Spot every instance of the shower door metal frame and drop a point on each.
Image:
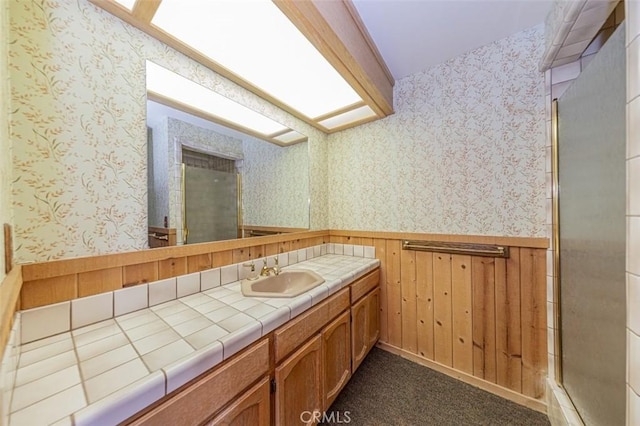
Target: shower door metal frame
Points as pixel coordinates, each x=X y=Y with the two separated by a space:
x=555 y=244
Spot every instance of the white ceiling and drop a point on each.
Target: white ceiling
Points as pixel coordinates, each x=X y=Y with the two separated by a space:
x=413 y=35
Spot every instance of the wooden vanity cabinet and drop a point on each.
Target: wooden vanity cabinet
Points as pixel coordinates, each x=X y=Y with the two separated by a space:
x=365 y=326
x=206 y=396
x=336 y=357
x=299 y=385
x=253 y=408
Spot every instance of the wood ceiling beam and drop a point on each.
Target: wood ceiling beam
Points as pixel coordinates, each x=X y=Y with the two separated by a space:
x=336 y=30
x=145 y=9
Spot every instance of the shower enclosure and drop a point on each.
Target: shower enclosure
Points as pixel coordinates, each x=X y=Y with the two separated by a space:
x=210 y=198
x=591 y=236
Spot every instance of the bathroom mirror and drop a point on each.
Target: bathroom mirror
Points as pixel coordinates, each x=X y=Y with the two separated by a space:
x=227 y=183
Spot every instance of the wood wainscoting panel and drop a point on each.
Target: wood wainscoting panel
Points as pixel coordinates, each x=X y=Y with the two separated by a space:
x=484 y=318
x=48 y=291
x=381 y=253
x=408 y=294
x=534 y=321
x=200 y=262
x=424 y=308
x=443 y=330
x=508 y=343
x=394 y=292
x=139 y=274
x=95 y=282
x=481 y=317
x=462 y=302
x=172 y=267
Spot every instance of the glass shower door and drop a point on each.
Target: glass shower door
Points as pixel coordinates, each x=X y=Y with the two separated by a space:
x=591 y=160
x=211 y=205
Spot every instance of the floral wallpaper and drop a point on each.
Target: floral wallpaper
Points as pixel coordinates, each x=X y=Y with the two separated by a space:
x=5 y=144
x=463 y=154
x=78 y=102
x=275 y=184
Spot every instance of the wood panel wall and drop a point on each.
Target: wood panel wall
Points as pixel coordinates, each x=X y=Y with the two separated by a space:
x=477 y=317
x=62 y=280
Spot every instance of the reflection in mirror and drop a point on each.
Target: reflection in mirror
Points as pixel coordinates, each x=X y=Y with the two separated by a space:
x=211 y=182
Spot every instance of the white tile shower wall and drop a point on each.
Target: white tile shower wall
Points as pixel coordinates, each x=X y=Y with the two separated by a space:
x=76 y=313
x=632 y=13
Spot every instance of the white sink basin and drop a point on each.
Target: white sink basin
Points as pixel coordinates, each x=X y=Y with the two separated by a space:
x=289 y=283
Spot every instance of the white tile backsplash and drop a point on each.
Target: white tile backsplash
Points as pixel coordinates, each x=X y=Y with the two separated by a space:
x=370 y=252
x=188 y=284
x=130 y=299
x=302 y=255
x=347 y=249
x=162 y=291
x=228 y=274
x=45 y=321
x=209 y=279
x=92 y=309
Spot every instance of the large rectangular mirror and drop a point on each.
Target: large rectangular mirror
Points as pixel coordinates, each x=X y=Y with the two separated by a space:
x=210 y=180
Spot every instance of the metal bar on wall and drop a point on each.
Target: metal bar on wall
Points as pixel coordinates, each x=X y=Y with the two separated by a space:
x=487 y=250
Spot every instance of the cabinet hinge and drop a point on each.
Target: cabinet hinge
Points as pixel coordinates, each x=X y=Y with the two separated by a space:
x=273 y=385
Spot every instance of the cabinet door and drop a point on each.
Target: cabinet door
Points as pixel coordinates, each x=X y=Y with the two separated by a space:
x=336 y=354
x=359 y=332
x=299 y=385
x=250 y=409
x=373 y=318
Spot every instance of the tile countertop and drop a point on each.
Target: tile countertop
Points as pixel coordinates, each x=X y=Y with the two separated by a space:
x=107 y=371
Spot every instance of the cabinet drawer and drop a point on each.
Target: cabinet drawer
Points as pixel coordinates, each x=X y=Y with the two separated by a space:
x=200 y=400
x=298 y=330
x=364 y=285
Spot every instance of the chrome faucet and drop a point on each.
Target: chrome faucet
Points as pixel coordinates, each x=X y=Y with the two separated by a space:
x=266 y=271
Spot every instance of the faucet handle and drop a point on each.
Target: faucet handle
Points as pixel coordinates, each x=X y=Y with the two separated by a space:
x=276 y=259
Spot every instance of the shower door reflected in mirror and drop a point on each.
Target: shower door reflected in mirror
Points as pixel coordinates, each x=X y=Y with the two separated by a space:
x=210 y=209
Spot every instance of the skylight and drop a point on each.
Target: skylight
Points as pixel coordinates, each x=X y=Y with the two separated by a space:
x=282 y=51
x=255 y=40
x=167 y=84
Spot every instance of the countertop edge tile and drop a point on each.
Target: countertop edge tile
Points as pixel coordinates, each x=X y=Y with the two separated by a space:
x=241 y=338
x=188 y=368
x=123 y=403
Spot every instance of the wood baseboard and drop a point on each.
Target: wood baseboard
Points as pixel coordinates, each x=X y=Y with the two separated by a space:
x=526 y=401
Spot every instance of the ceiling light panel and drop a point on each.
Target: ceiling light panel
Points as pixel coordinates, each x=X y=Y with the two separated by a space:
x=256 y=41
x=290 y=137
x=352 y=116
x=126 y=3
x=178 y=88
